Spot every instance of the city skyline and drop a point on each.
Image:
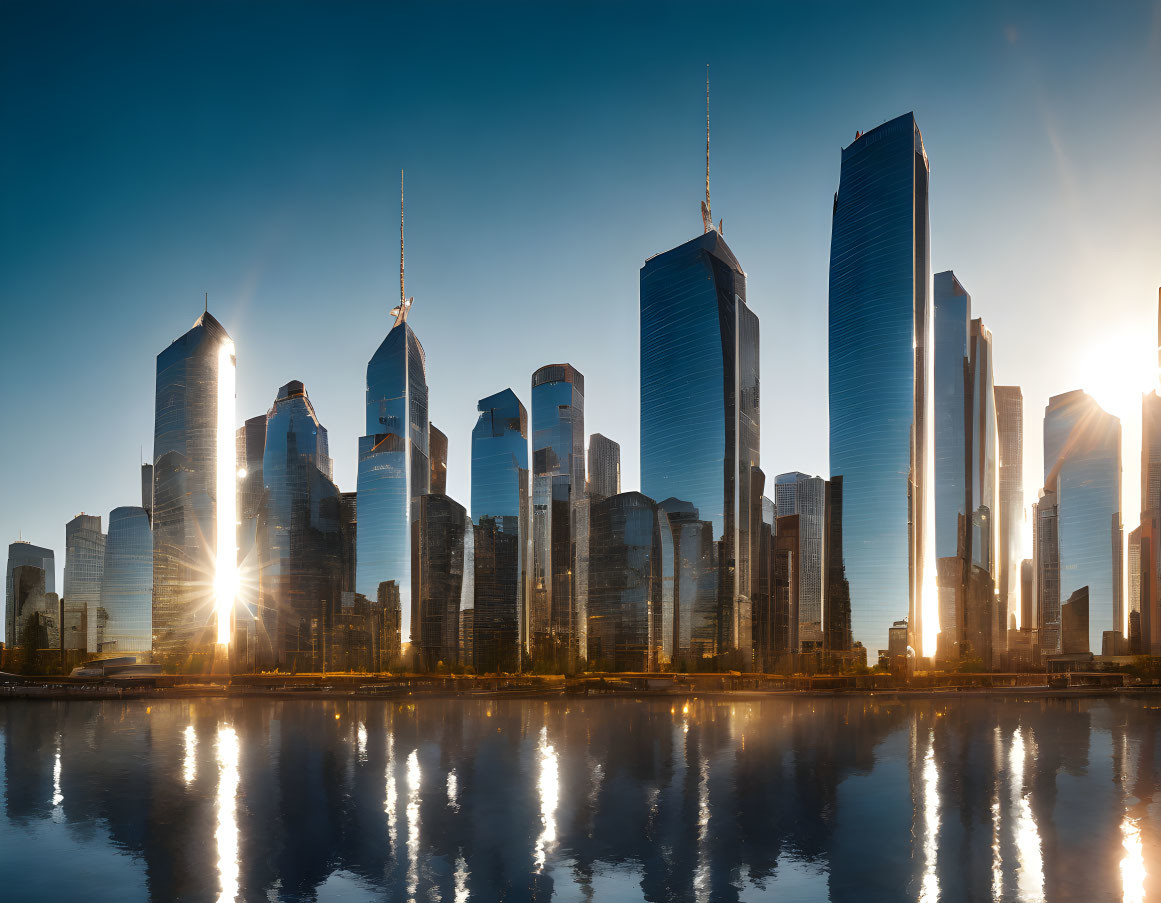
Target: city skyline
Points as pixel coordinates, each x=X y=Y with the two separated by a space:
x=788 y=294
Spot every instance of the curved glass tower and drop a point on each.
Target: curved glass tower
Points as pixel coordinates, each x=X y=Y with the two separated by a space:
x=558 y=489
x=299 y=537
x=700 y=406
x=127 y=582
x=1082 y=467
x=880 y=316
x=393 y=466
x=185 y=460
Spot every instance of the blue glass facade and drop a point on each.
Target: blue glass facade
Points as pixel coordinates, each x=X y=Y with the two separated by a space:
x=558 y=488
x=700 y=407
x=500 y=494
x=84 y=563
x=185 y=448
x=879 y=319
x=394 y=467
x=1082 y=467
x=127 y=583
x=299 y=534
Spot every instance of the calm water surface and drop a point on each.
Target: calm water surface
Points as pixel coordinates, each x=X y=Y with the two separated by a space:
x=606 y=800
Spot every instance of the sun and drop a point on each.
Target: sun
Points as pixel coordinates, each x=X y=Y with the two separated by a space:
x=1117 y=369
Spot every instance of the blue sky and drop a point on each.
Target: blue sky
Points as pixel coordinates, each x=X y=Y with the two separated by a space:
x=155 y=151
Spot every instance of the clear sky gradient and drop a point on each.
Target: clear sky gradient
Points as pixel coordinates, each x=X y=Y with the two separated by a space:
x=154 y=151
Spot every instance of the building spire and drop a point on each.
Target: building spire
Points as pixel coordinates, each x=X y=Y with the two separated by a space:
x=207 y=308
x=707 y=219
x=400 y=312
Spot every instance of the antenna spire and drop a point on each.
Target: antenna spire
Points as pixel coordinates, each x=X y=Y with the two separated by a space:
x=400 y=312
x=207 y=309
x=707 y=219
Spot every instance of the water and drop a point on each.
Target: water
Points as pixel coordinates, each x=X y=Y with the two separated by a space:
x=602 y=800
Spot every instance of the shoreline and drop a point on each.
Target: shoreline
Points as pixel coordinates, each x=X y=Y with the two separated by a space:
x=413 y=689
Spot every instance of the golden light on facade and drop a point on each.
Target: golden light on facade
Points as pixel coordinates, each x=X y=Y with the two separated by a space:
x=226 y=576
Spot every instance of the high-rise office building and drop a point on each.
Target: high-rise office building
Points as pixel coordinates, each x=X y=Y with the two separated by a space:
x=982 y=603
x=394 y=461
x=604 y=467
x=437 y=574
x=1082 y=465
x=299 y=534
x=558 y=484
x=879 y=363
x=625 y=578
x=836 y=618
x=147 y=488
x=502 y=538
x=1010 y=541
x=700 y=408
x=191 y=374
x=24 y=554
x=804 y=495
x=1046 y=571
x=437 y=448
x=35 y=611
x=690 y=631
x=250 y=447
x=127 y=583
x=84 y=564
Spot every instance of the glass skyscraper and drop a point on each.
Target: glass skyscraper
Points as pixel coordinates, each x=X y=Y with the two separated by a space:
x=1082 y=465
x=437 y=448
x=804 y=495
x=24 y=554
x=502 y=538
x=880 y=318
x=558 y=487
x=1010 y=551
x=299 y=535
x=604 y=467
x=394 y=468
x=437 y=574
x=625 y=579
x=127 y=583
x=700 y=408
x=84 y=564
x=185 y=446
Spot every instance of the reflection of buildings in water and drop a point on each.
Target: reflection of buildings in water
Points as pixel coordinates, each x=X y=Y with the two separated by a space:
x=681 y=804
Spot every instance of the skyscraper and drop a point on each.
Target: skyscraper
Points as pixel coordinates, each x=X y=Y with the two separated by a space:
x=880 y=317
x=127 y=583
x=147 y=488
x=992 y=633
x=190 y=376
x=836 y=618
x=394 y=468
x=804 y=495
x=501 y=538
x=700 y=406
x=558 y=484
x=1046 y=570
x=251 y=446
x=1010 y=551
x=299 y=534
x=437 y=574
x=691 y=630
x=625 y=583
x=1082 y=465
x=24 y=554
x=84 y=564
x=604 y=467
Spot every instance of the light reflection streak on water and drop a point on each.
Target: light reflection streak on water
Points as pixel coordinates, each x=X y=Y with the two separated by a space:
x=1133 y=864
x=189 y=765
x=57 y=795
x=413 y=778
x=461 y=879
x=549 y=786
x=701 y=874
x=226 y=834
x=361 y=741
x=997 y=854
x=389 y=799
x=452 y=790
x=929 y=889
x=1030 y=863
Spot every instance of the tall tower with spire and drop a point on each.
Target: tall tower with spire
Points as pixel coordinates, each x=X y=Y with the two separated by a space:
x=700 y=412
x=393 y=458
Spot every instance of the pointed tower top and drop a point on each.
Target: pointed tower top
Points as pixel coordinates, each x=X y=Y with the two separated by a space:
x=207 y=307
x=707 y=219
x=400 y=312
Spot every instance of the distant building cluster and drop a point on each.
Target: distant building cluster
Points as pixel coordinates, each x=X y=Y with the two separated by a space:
x=911 y=552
